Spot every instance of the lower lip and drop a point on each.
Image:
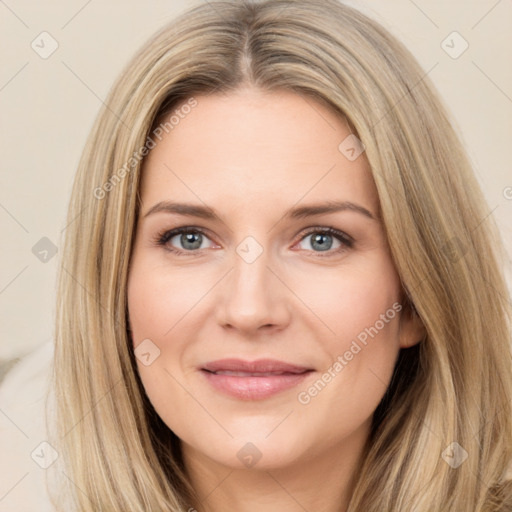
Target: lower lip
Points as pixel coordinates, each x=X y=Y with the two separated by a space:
x=254 y=388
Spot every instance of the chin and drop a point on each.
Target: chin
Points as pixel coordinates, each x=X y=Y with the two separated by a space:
x=253 y=451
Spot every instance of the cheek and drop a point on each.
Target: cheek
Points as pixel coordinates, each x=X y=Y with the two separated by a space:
x=159 y=299
x=165 y=301
x=362 y=311
x=365 y=311
x=349 y=302
x=156 y=307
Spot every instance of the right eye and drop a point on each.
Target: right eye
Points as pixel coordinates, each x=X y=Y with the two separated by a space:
x=185 y=240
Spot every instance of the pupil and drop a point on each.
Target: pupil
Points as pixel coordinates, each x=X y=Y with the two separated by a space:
x=193 y=239
x=319 y=239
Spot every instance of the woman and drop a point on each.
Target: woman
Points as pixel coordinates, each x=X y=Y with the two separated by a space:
x=278 y=291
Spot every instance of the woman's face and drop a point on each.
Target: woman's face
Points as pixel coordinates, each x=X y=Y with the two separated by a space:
x=256 y=179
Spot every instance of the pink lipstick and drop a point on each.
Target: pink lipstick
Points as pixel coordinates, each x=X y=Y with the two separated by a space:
x=253 y=380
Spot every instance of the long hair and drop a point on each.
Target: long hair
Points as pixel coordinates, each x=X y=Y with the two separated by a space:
x=454 y=387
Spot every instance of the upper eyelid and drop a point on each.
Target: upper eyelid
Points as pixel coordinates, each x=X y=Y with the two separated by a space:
x=327 y=229
x=171 y=233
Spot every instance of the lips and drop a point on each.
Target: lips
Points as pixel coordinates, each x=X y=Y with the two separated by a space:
x=254 y=368
x=253 y=380
x=249 y=374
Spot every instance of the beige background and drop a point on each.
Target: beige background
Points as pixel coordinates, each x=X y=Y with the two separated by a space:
x=48 y=107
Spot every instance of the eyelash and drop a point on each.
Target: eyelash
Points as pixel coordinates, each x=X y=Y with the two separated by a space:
x=163 y=238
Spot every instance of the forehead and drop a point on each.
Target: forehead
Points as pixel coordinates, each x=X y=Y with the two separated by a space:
x=252 y=149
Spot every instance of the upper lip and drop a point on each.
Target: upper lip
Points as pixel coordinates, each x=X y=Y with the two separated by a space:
x=259 y=366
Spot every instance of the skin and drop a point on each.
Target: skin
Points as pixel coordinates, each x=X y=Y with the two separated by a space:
x=251 y=156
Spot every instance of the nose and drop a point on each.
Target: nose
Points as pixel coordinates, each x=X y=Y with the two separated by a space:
x=252 y=298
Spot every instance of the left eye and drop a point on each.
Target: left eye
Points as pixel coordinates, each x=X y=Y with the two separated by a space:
x=322 y=241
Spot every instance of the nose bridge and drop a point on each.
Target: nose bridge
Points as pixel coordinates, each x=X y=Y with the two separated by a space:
x=253 y=297
x=251 y=276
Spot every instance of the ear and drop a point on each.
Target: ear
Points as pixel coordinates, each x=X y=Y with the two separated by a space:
x=411 y=328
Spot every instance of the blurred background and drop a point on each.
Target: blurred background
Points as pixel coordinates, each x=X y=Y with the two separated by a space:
x=59 y=60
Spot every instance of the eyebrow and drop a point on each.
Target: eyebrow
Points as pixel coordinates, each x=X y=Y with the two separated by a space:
x=300 y=212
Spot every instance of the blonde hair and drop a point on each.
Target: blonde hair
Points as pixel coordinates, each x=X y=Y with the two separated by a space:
x=455 y=386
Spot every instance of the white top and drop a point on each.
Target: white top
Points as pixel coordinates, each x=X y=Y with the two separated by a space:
x=22 y=430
